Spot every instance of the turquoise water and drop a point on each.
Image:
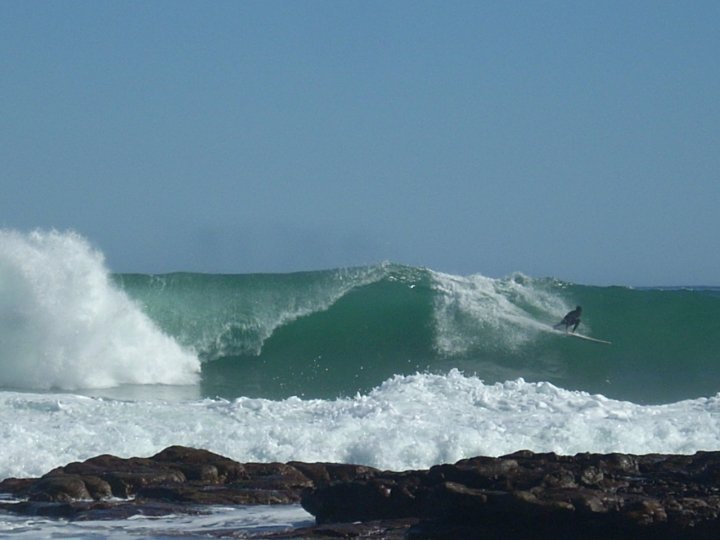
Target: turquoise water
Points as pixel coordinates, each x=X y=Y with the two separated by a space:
x=389 y=366
x=338 y=332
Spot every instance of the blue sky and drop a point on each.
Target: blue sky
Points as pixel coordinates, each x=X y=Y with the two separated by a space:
x=579 y=139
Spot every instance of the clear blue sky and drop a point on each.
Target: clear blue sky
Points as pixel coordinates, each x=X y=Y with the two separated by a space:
x=576 y=139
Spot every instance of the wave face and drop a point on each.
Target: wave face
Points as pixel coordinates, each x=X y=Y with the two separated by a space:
x=65 y=325
x=390 y=366
x=339 y=332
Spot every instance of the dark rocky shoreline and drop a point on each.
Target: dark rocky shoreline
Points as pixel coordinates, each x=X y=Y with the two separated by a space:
x=519 y=496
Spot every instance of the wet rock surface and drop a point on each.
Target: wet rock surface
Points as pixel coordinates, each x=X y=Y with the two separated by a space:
x=521 y=495
x=527 y=495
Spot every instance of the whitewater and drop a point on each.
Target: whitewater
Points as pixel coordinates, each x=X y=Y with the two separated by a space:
x=389 y=366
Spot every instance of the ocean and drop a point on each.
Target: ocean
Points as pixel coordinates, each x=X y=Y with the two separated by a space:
x=391 y=366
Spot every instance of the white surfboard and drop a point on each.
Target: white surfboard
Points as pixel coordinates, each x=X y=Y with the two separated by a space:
x=587 y=338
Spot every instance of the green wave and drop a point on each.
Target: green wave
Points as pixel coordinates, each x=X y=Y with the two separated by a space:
x=338 y=332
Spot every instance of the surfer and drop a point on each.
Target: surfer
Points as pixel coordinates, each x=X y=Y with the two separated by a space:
x=571 y=319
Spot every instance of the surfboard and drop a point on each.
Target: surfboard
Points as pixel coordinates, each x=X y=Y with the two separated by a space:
x=588 y=338
x=580 y=336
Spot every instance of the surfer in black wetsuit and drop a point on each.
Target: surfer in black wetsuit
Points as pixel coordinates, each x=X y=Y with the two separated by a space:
x=571 y=319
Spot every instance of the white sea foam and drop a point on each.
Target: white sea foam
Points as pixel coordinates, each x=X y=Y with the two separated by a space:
x=249 y=519
x=469 y=309
x=64 y=325
x=408 y=422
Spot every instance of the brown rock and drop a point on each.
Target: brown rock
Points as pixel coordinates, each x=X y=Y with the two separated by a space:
x=519 y=496
x=59 y=488
x=201 y=465
x=18 y=487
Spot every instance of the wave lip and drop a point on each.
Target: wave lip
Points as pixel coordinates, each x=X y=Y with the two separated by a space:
x=64 y=325
x=227 y=315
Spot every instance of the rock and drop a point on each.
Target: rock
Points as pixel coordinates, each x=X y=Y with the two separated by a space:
x=519 y=496
x=527 y=495
x=325 y=473
x=18 y=487
x=390 y=529
x=273 y=476
x=216 y=495
x=201 y=465
x=362 y=500
x=124 y=476
x=173 y=478
x=59 y=488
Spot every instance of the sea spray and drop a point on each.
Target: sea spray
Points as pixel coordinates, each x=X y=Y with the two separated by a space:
x=65 y=325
